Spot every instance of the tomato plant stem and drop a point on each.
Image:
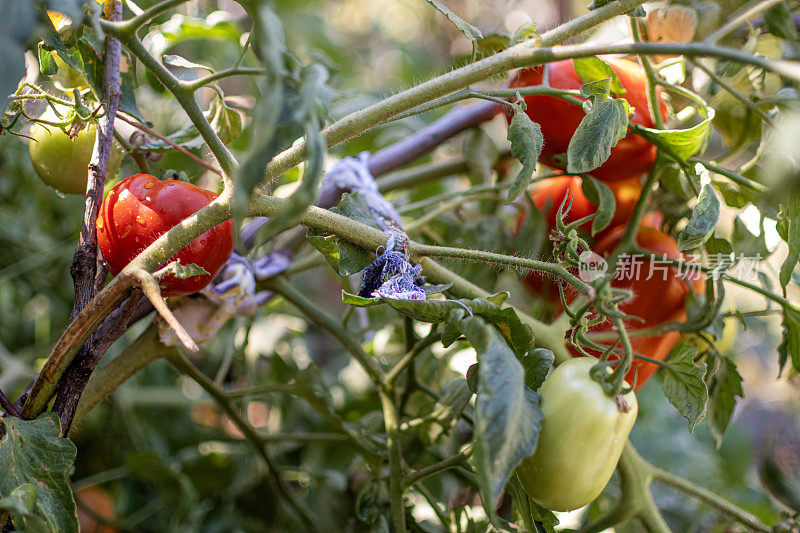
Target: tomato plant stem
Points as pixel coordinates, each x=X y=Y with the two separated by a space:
x=651 y=86
x=392 y=422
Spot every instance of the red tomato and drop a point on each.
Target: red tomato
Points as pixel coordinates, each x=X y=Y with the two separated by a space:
x=656 y=300
x=551 y=192
x=631 y=157
x=141 y=208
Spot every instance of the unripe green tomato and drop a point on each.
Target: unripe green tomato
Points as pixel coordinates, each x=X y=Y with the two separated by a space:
x=62 y=162
x=67 y=78
x=582 y=436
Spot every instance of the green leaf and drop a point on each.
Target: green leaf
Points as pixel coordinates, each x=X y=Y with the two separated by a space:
x=600 y=195
x=684 y=386
x=597 y=91
x=537 y=364
x=591 y=69
x=526 y=32
x=470 y=32
x=47 y=64
x=346 y=258
x=682 y=143
x=225 y=120
x=789 y=348
x=32 y=451
x=21 y=504
x=178 y=61
x=176 y=269
x=724 y=386
x=480 y=153
x=780 y=23
x=596 y=135
x=747 y=244
x=703 y=221
x=517 y=334
x=91 y=66
x=526 y=144
x=507 y=414
x=789 y=229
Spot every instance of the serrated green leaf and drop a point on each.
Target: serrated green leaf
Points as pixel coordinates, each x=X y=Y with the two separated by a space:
x=596 y=91
x=526 y=145
x=684 y=386
x=703 y=221
x=596 y=135
x=682 y=143
x=226 y=121
x=517 y=334
x=507 y=414
x=789 y=349
x=747 y=244
x=724 y=386
x=32 y=451
x=593 y=68
x=470 y=32
x=600 y=195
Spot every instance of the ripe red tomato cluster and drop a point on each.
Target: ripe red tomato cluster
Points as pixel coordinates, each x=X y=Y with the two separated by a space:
x=660 y=292
x=141 y=208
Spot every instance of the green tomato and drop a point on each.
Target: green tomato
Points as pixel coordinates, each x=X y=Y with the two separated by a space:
x=582 y=436
x=62 y=162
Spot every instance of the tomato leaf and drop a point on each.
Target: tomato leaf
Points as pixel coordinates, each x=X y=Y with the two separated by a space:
x=470 y=32
x=593 y=68
x=780 y=23
x=789 y=229
x=600 y=195
x=225 y=120
x=455 y=397
x=345 y=257
x=790 y=344
x=176 y=269
x=526 y=145
x=517 y=334
x=526 y=32
x=47 y=64
x=507 y=414
x=537 y=364
x=532 y=233
x=174 y=60
x=747 y=244
x=684 y=386
x=596 y=135
x=704 y=218
x=681 y=143
x=724 y=386
x=21 y=504
x=33 y=452
x=479 y=154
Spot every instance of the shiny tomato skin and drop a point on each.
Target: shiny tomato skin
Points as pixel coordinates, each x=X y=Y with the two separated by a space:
x=141 y=208
x=631 y=157
x=582 y=435
x=656 y=300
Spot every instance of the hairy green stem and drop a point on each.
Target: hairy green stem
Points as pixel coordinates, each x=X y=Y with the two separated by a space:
x=651 y=87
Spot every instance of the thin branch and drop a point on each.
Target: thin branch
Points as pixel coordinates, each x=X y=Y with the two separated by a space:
x=737 y=20
x=439 y=467
x=194 y=85
x=151 y=289
x=185 y=366
x=150 y=131
x=7 y=406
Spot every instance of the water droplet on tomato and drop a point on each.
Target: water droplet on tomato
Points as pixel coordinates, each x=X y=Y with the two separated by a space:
x=149 y=185
x=140 y=198
x=99 y=223
x=170 y=183
x=147 y=198
x=140 y=220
